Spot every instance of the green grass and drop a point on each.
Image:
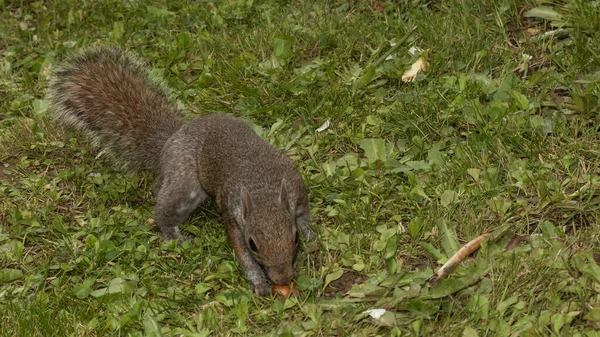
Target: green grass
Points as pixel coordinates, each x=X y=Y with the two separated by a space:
x=499 y=135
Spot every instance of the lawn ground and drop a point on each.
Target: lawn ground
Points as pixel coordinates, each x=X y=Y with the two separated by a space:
x=497 y=134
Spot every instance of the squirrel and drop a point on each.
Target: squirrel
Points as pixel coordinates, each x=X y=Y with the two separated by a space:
x=109 y=94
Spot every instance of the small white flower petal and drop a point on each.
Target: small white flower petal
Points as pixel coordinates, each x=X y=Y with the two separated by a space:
x=324 y=126
x=375 y=313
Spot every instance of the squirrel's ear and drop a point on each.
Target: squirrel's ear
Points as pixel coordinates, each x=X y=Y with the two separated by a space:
x=247 y=205
x=284 y=196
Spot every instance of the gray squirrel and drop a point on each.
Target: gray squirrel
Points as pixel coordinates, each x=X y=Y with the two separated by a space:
x=108 y=94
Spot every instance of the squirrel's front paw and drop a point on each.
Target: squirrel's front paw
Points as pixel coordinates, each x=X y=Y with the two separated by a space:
x=173 y=233
x=261 y=288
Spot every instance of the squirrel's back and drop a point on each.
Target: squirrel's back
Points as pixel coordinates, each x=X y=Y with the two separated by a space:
x=110 y=95
x=229 y=150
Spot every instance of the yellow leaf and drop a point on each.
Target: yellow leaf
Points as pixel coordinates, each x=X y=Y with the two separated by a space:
x=411 y=73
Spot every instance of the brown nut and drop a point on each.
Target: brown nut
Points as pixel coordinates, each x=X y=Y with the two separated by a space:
x=284 y=290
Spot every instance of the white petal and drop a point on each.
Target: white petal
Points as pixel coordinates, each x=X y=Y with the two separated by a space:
x=324 y=126
x=375 y=313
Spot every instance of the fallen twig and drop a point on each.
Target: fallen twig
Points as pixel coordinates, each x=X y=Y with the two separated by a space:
x=458 y=257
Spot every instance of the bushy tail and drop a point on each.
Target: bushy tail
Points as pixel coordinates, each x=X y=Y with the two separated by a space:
x=109 y=94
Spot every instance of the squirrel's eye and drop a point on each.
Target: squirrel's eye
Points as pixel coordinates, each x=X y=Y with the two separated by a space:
x=252 y=246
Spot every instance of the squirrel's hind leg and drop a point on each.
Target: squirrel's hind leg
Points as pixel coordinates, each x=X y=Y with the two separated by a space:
x=177 y=199
x=180 y=190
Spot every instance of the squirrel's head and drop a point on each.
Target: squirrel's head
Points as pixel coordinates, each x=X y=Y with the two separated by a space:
x=270 y=232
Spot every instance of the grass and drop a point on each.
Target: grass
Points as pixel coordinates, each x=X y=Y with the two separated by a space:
x=500 y=135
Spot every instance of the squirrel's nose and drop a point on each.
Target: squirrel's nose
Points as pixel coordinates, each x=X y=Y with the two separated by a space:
x=281 y=275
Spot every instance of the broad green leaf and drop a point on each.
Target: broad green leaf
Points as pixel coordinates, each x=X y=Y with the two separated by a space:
x=374 y=149
x=432 y=250
x=499 y=205
x=365 y=78
x=537 y=122
x=391 y=247
x=502 y=306
x=134 y=313
x=97 y=179
x=39 y=105
x=558 y=321
x=478 y=306
x=462 y=82
x=115 y=286
x=501 y=328
x=388 y=319
x=374 y=120
x=509 y=83
x=523 y=324
x=419 y=165
x=592 y=271
x=474 y=173
x=448 y=197
x=230 y=298
x=282 y=47
x=434 y=155
x=333 y=276
x=449 y=239
x=202 y=288
x=418 y=190
x=13 y=250
x=592 y=315
x=379 y=245
x=162 y=12
x=401 y=294
x=414 y=226
x=184 y=40
x=304 y=282
x=548 y=230
x=366 y=289
x=417 y=277
x=448 y=287
x=360 y=266
x=151 y=327
x=522 y=100
x=543 y=12
x=418 y=141
x=329 y=168
x=388 y=233
x=117 y=31
x=570 y=316
x=420 y=309
x=8 y=275
x=469 y=332
x=500 y=231
x=82 y=290
x=544 y=317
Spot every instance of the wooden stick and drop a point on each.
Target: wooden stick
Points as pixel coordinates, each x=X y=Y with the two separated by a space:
x=457 y=258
